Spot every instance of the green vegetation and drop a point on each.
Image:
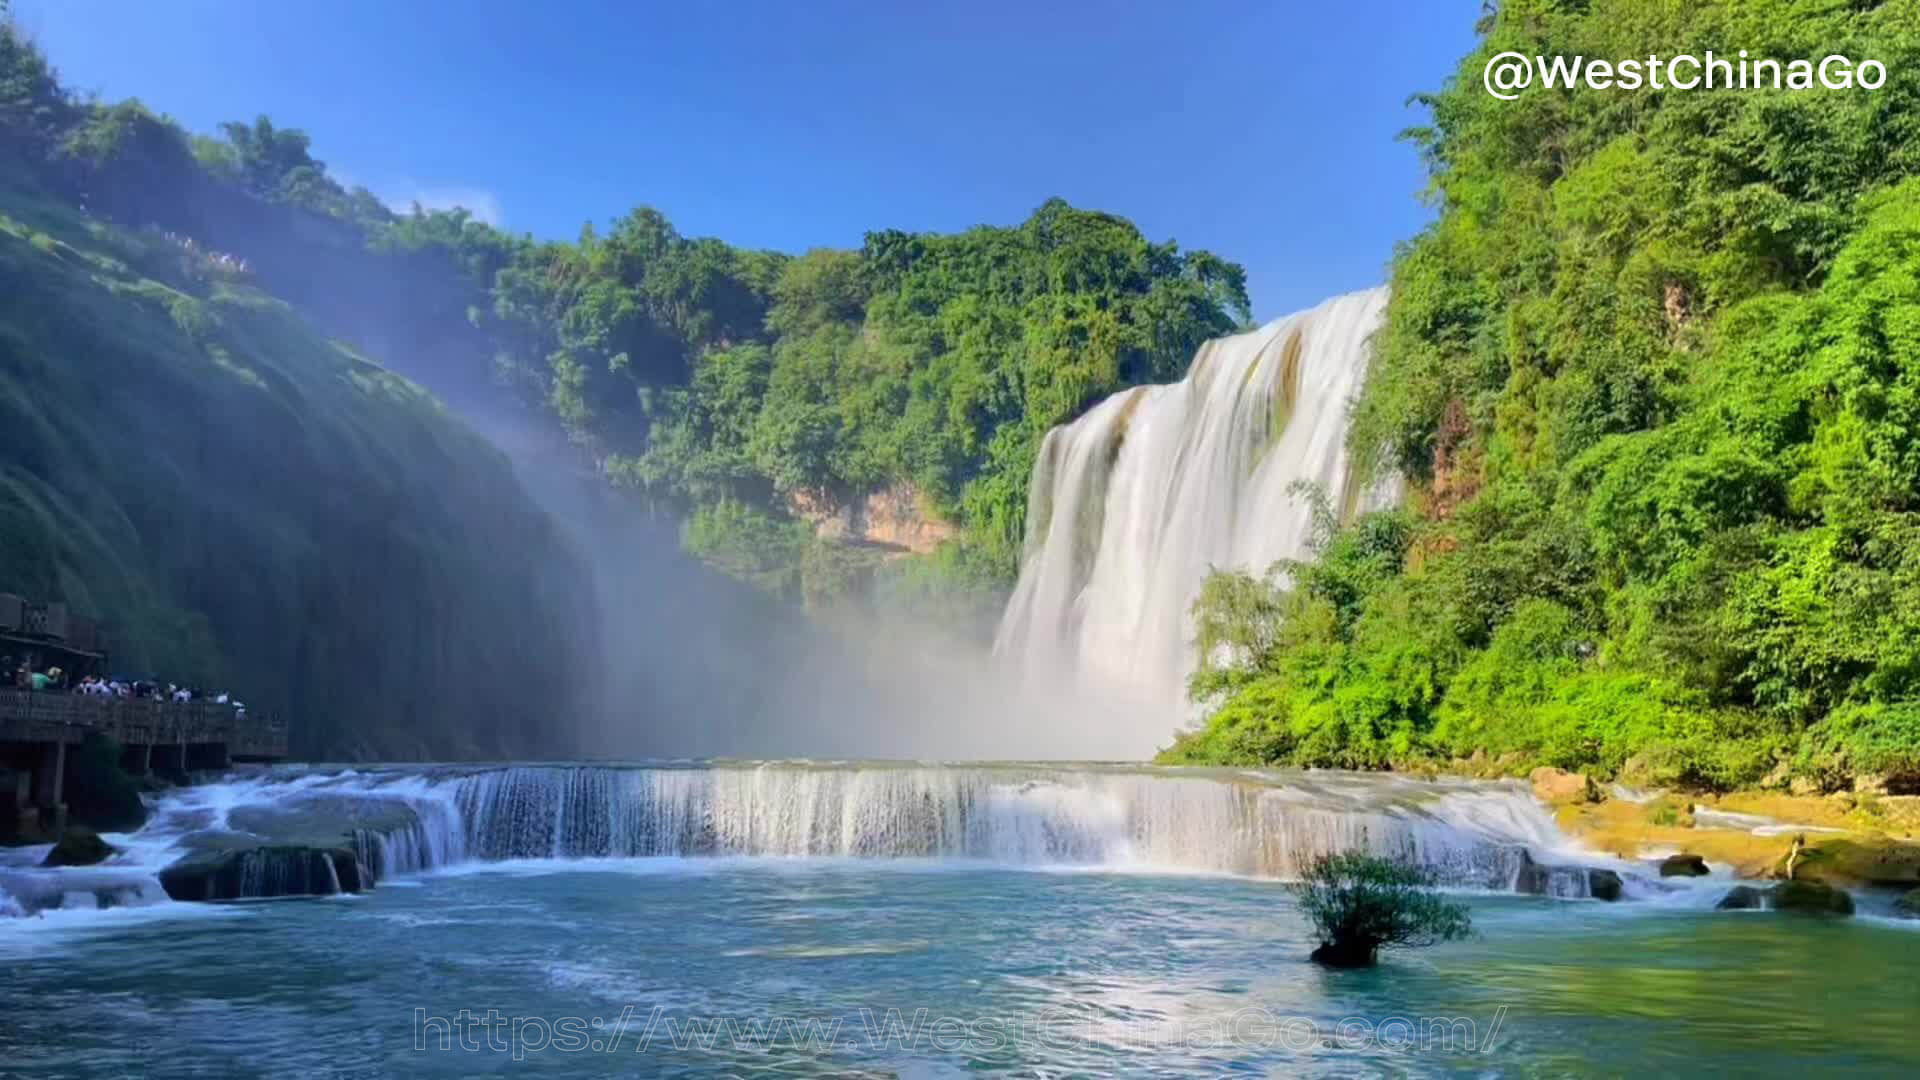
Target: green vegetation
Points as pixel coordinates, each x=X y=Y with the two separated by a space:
x=762 y=391
x=1359 y=903
x=1654 y=379
x=250 y=506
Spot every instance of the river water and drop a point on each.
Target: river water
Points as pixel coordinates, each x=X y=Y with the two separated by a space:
x=911 y=920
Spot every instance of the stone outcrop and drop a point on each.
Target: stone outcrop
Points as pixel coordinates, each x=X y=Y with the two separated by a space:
x=266 y=872
x=1808 y=897
x=893 y=518
x=78 y=846
x=1551 y=785
x=1684 y=865
x=1568 y=882
x=1604 y=885
x=1811 y=897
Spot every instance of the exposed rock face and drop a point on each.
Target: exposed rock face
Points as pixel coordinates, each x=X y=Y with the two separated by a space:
x=1684 y=865
x=78 y=846
x=263 y=872
x=891 y=518
x=1551 y=785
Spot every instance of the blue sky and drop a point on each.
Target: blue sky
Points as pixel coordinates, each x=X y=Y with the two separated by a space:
x=1262 y=131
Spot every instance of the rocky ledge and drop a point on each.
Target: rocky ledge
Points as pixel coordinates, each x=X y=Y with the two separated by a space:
x=1809 y=897
x=1806 y=853
x=266 y=872
x=311 y=847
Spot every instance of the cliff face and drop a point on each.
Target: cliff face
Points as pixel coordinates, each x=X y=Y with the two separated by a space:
x=892 y=518
x=249 y=506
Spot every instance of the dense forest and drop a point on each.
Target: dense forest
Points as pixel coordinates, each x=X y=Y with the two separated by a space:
x=1654 y=377
x=251 y=507
x=757 y=396
x=754 y=392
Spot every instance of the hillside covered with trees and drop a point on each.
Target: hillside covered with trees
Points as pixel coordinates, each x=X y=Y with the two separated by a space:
x=755 y=392
x=252 y=507
x=755 y=395
x=1654 y=377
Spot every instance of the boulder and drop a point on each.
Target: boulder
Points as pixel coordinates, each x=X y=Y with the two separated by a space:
x=1908 y=906
x=1567 y=882
x=1777 y=778
x=264 y=872
x=1811 y=897
x=78 y=846
x=1551 y=785
x=1808 y=897
x=1603 y=885
x=1684 y=865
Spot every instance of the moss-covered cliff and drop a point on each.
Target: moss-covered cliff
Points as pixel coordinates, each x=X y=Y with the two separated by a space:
x=251 y=506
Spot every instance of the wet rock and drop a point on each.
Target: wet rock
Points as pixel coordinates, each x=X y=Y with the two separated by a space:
x=1684 y=865
x=1908 y=906
x=1603 y=885
x=1809 y=897
x=1566 y=882
x=78 y=846
x=266 y=872
x=1812 y=897
x=352 y=874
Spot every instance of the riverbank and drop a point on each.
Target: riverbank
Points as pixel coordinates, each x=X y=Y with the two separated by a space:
x=1847 y=840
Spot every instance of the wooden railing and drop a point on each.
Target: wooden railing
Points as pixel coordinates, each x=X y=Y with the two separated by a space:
x=27 y=716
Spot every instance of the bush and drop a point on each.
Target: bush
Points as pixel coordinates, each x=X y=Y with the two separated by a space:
x=1360 y=902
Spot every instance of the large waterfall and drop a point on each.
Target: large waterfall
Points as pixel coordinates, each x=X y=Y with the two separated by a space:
x=1135 y=502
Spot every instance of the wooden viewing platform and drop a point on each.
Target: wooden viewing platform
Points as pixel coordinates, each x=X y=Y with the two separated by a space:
x=170 y=736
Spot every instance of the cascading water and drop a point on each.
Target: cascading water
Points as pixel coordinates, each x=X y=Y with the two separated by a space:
x=1133 y=504
x=1252 y=823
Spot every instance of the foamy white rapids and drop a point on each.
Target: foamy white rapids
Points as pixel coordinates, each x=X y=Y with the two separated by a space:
x=409 y=820
x=1134 y=503
x=1267 y=824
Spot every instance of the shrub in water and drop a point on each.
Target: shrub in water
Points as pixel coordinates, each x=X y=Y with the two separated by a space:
x=1360 y=902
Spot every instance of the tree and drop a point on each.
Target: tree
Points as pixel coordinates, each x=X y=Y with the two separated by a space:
x=1360 y=902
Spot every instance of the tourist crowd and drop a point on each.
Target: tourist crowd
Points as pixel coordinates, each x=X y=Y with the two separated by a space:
x=55 y=680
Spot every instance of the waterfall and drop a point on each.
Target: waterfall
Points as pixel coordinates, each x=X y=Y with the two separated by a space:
x=309 y=827
x=1262 y=824
x=1134 y=503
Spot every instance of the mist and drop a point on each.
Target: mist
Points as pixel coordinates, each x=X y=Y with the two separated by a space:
x=694 y=664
